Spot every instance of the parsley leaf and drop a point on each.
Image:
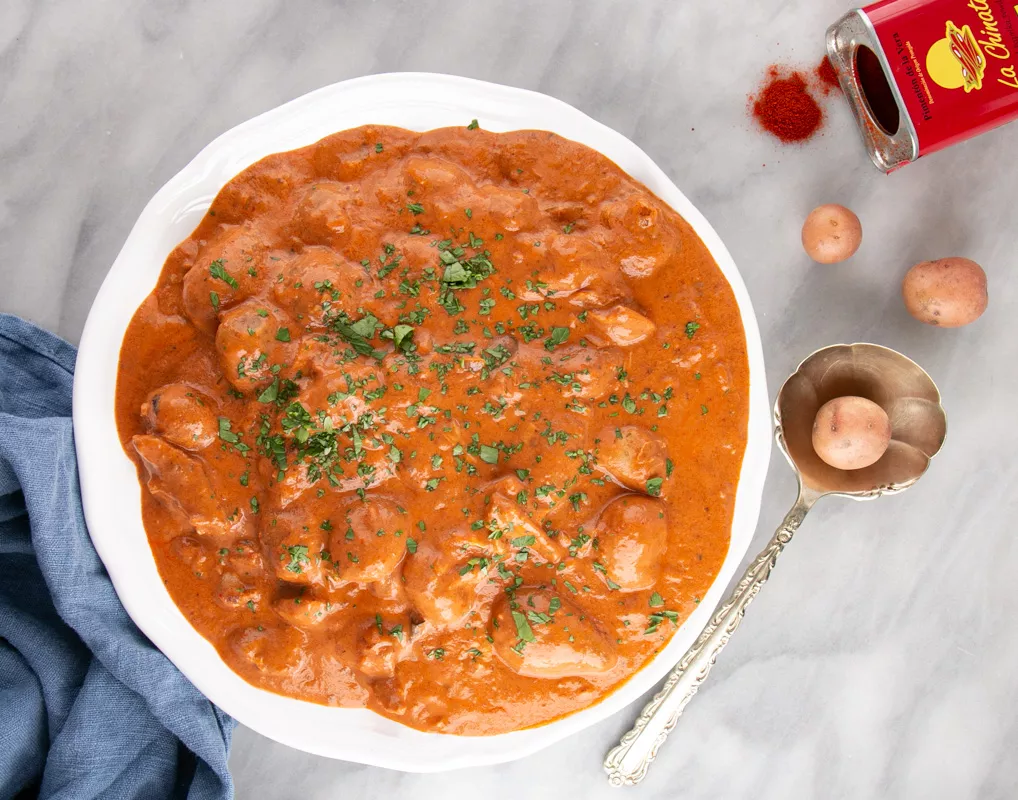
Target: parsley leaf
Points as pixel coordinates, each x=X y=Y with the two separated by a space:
x=402 y=336
x=523 y=630
x=225 y=433
x=358 y=333
x=271 y=392
x=460 y=273
x=298 y=556
x=489 y=455
x=558 y=336
x=658 y=617
x=217 y=270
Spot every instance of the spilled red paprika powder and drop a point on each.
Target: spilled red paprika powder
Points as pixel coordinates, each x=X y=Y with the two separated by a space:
x=826 y=75
x=785 y=107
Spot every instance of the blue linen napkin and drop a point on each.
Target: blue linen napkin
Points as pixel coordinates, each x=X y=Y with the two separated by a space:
x=89 y=708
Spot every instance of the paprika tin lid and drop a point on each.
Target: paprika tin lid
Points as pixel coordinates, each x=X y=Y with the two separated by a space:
x=865 y=75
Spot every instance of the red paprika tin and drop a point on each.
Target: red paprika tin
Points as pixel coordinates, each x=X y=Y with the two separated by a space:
x=922 y=75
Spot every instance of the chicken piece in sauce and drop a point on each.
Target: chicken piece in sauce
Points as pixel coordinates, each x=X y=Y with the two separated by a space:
x=576 y=271
x=251 y=340
x=180 y=483
x=631 y=455
x=542 y=635
x=368 y=540
x=451 y=583
x=318 y=286
x=649 y=244
x=322 y=216
x=230 y=268
x=622 y=325
x=181 y=415
x=632 y=535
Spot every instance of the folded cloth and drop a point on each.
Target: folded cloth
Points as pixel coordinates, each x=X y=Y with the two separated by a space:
x=89 y=708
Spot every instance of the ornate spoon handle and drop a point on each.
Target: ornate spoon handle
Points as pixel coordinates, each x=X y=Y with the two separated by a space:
x=627 y=763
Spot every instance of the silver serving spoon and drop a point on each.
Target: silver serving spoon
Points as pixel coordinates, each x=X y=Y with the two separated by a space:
x=918 y=426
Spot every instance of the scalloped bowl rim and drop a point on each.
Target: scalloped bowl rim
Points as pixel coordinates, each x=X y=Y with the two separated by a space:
x=111 y=494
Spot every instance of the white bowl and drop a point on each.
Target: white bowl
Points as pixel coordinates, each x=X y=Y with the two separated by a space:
x=109 y=484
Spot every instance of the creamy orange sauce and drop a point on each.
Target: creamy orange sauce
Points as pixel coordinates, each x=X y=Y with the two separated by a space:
x=447 y=425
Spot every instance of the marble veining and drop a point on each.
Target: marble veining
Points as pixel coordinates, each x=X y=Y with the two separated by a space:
x=879 y=660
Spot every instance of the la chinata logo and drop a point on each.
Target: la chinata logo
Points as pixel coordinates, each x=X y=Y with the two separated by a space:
x=957 y=60
x=960 y=59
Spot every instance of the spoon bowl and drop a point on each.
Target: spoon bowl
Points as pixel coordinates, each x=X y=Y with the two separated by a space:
x=895 y=383
x=918 y=427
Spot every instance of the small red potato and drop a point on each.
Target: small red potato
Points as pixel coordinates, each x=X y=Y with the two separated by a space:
x=948 y=293
x=831 y=233
x=851 y=432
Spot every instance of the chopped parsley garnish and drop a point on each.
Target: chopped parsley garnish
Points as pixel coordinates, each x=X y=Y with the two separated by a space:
x=358 y=334
x=270 y=393
x=473 y=125
x=658 y=617
x=279 y=391
x=558 y=336
x=225 y=433
x=523 y=629
x=654 y=486
x=218 y=271
x=488 y=454
x=298 y=557
x=402 y=336
x=691 y=329
x=460 y=273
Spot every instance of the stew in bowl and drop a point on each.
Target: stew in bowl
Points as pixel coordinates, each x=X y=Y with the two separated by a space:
x=253 y=178
x=448 y=425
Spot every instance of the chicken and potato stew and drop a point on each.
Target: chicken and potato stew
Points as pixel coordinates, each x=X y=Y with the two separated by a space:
x=447 y=425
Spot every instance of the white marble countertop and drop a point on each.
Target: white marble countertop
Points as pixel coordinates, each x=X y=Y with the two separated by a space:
x=880 y=660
